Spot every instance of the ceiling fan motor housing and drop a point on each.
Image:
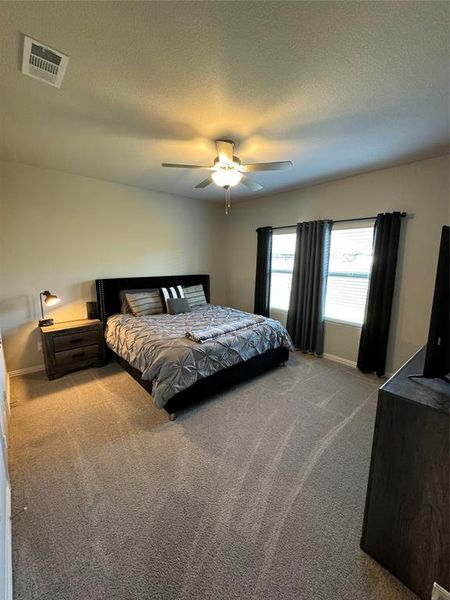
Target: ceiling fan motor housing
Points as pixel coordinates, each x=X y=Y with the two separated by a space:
x=235 y=160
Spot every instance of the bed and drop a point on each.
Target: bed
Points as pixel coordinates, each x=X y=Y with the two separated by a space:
x=178 y=371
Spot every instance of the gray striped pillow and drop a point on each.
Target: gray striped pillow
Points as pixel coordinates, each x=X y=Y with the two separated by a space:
x=124 y=306
x=196 y=295
x=145 y=303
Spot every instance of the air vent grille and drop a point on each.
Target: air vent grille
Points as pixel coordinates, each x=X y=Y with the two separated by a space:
x=43 y=63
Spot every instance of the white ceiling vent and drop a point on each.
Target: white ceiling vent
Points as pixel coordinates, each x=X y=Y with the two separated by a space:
x=42 y=62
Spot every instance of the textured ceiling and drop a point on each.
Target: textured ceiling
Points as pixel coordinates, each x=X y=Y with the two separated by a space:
x=336 y=87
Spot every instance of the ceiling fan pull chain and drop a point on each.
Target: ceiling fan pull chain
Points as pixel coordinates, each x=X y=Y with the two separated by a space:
x=227 y=198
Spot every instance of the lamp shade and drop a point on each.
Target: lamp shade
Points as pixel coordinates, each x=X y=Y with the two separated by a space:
x=50 y=299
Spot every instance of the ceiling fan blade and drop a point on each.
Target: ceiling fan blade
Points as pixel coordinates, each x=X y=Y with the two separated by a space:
x=271 y=166
x=183 y=166
x=204 y=183
x=251 y=184
x=225 y=151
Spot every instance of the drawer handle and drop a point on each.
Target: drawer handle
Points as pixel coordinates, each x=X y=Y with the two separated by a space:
x=76 y=340
x=78 y=354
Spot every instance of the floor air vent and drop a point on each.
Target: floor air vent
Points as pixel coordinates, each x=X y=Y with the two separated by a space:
x=43 y=63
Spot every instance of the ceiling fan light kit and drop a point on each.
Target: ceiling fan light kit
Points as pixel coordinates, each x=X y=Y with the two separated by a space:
x=226 y=174
x=228 y=171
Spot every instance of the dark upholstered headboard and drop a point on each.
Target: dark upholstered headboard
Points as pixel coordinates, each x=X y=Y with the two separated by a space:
x=108 y=290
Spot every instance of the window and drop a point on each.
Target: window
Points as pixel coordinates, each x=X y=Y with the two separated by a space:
x=348 y=273
x=283 y=251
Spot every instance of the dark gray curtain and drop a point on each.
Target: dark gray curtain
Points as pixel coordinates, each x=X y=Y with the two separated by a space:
x=375 y=330
x=263 y=270
x=305 y=319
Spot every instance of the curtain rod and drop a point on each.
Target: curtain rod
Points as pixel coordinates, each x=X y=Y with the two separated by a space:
x=403 y=214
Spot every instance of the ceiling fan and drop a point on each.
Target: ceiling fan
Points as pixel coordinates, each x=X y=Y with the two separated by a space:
x=228 y=170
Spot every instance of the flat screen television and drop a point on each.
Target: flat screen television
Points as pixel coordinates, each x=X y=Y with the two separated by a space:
x=437 y=354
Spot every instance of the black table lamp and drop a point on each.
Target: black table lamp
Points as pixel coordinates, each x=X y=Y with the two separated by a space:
x=49 y=300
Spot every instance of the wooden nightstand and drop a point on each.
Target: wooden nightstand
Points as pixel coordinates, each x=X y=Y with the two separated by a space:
x=72 y=345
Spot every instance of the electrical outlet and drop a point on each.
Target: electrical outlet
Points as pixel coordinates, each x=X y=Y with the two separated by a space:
x=39 y=346
x=439 y=593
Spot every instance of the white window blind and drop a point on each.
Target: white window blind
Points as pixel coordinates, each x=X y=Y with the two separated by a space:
x=283 y=251
x=348 y=273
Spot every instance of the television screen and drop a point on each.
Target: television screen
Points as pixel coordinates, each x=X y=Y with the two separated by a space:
x=437 y=356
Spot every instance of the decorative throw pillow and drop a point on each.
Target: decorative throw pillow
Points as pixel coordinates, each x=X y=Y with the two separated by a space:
x=145 y=303
x=175 y=291
x=176 y=306
x=196 y=295
x=124 y=306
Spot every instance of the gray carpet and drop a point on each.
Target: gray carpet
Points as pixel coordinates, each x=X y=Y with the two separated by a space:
x=257 y=494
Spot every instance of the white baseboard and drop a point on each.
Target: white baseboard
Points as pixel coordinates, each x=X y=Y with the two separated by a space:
x=342 y=361
x=26 y=370
x=351 y=363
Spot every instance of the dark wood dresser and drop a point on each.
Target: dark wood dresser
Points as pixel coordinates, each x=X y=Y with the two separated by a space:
x=406 y=521
x=72 y=345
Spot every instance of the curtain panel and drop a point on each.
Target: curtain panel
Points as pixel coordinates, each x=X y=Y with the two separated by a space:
x=305 y=320
x=375 y=329
x=263 y=271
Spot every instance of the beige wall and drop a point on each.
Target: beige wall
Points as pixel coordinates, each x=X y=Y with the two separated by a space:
x=61 y=231
x=420 y=188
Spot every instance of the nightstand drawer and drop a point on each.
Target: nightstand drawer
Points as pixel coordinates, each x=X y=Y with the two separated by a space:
x=75 y=340
x=77 y=356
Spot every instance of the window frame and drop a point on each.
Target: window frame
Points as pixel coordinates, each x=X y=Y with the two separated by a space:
x=366 y=224
x=273 y=309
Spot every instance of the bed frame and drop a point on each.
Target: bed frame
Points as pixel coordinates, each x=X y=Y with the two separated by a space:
x=108 y=301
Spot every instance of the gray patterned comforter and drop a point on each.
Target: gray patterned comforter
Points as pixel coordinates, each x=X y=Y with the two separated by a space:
x=157 y=345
